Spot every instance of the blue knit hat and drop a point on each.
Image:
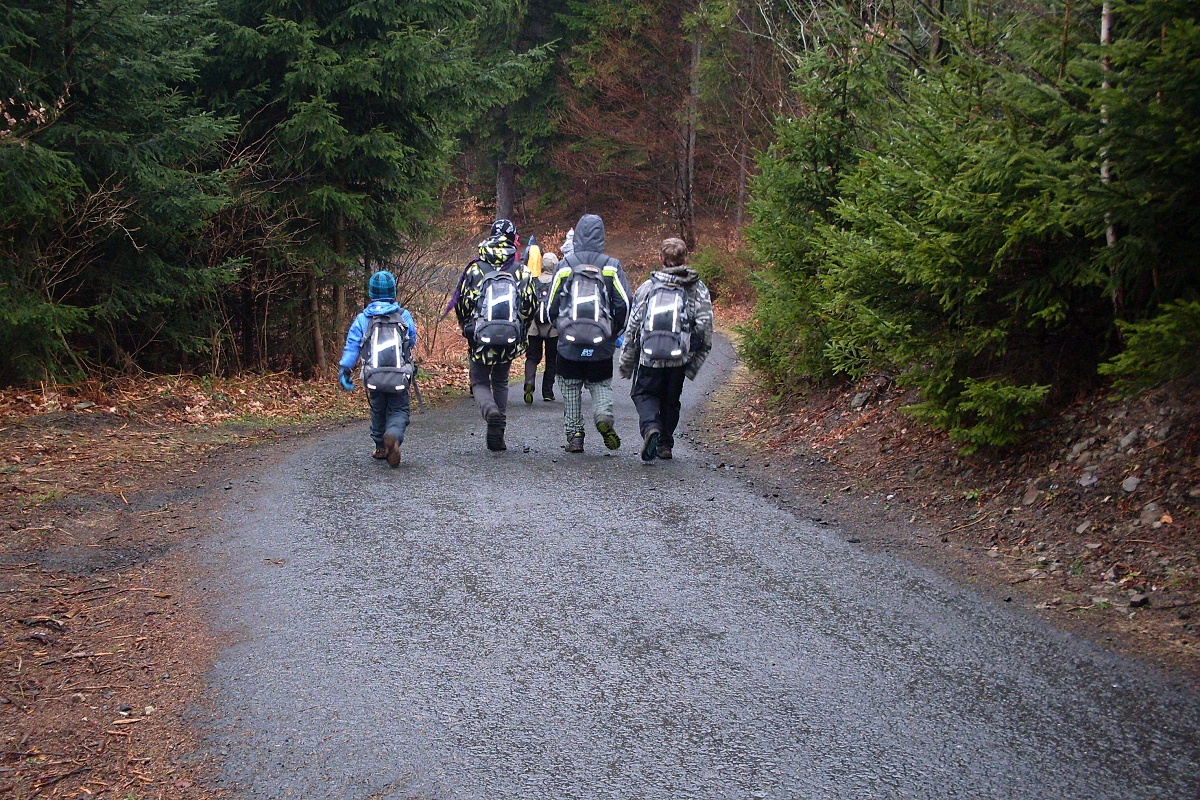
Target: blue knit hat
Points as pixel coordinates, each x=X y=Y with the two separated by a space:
x=382 y=286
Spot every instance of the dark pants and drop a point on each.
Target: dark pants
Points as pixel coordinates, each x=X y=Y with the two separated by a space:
x=489 y=386
x=534 y=354
x=389 y=414
x=656 y=393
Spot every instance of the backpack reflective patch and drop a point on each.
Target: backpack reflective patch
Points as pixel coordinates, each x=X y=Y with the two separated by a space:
x=387 y=363
x=667 y=324
x=497 y=311
x=585 y=319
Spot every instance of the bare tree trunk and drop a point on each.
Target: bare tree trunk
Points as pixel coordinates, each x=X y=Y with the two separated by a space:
x=743 y=181
x=687 y=222
x=249 y=357
x=339 y=283
x=314 y=319
x=935 y=37
x=506 y=183
x=1110 y=232
x=68 y=24
x=339 y=305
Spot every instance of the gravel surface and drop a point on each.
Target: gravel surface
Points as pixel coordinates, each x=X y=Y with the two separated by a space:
x=538 y=624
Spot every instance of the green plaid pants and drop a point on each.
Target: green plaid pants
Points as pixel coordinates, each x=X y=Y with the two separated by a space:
x=572 y=394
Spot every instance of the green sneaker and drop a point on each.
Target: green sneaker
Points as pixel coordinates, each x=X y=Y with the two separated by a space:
x=529 y=394
x=611 y=440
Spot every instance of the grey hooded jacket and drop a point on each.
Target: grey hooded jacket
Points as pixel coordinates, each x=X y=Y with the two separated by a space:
x=589 y=249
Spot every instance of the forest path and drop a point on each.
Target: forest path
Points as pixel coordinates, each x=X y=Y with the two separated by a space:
x=537 y=624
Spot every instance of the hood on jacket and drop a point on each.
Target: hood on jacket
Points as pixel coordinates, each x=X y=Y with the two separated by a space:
x=589 y=234
x=679 y=276
x=497 y=251
x=379 y=308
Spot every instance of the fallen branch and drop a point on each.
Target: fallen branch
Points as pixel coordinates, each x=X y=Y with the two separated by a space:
x=37 y=787
x=74 y=656
x=969 y=524
x=1168 y=608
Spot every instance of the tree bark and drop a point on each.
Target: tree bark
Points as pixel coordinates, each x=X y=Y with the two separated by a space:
x=339 y=282
x=506 y=183
x=314 y=316
x=687 y=221
x=743 y=180
x=1110 y=231
x=935 y=36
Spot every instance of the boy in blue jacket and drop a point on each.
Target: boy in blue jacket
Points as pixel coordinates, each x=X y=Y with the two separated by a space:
x=389 y=403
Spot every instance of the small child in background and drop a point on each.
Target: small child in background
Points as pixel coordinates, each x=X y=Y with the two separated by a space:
x=383 y=335
x=543 y=337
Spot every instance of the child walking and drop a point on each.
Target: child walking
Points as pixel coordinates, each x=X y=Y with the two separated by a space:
x=495 y=301
x=669 y=336
x=383 y=335
x=543 y=338
x=589 y=303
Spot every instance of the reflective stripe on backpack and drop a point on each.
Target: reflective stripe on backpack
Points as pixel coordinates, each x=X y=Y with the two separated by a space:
x=497 y=312
x=586 y=318
x=667 y=323
x=387 y=364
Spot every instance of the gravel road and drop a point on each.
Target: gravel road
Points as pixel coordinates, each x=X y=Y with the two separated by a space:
x=533 y=624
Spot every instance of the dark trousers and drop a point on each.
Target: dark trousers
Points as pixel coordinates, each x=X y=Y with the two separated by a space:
x=656 y=393
x=389 y=414
x=533 y=354
x=489 y=386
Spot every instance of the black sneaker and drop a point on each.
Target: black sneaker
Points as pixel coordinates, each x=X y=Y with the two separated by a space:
x=575 y=443
x=650 y=445
x=393 y=450
x=548 y=396
x=611 y=440
x=529 y=394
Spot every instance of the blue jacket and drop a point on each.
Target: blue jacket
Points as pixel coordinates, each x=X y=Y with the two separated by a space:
x=358 y=330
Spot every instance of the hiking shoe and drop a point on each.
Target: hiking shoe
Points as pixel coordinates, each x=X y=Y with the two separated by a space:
x=611 y=440
x=663 y=452
x=575 y=443
x=380 y=452
x=495 y=433
x=529 y=394
x=650 y=446
x=393 y=450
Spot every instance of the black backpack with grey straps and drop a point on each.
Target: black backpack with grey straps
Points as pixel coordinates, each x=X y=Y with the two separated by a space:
x=668 y=322
x=387 y=361
x=585 y=323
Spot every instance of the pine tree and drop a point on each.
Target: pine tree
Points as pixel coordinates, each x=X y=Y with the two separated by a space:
x=103 y=185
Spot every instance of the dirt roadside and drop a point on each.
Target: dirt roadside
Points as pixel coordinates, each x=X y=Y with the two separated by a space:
x=1093 y=525
x=104 y=642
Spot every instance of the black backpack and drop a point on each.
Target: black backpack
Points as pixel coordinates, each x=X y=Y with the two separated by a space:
x=542 y=315
x=387 y=362
x=667 y=323
x=585 y=321
x=497 y=319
